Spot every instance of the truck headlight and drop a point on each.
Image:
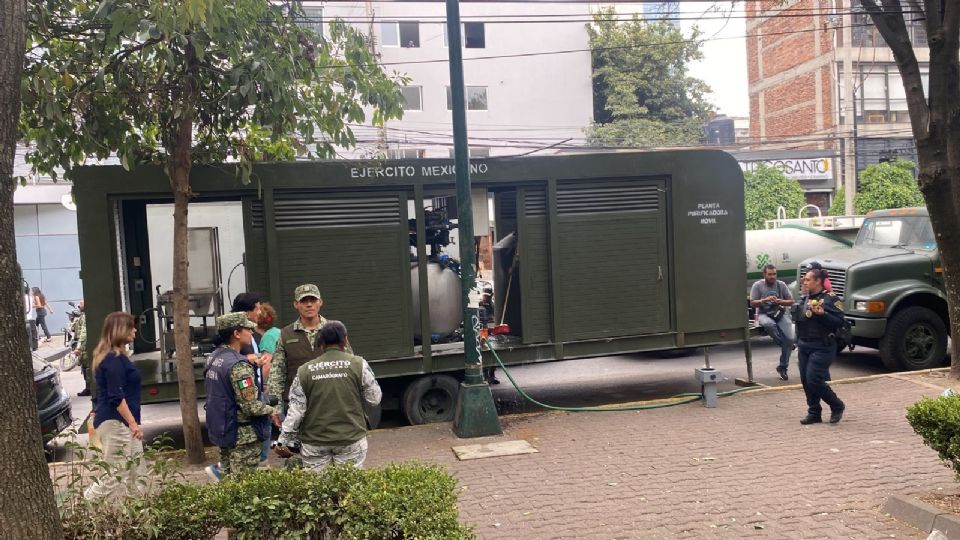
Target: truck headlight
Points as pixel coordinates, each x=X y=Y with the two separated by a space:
x=869 y=306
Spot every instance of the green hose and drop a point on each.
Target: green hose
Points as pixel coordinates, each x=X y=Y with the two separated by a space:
x=680 y=399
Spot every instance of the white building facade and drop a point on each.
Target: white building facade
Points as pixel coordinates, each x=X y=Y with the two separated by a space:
x=519 y=100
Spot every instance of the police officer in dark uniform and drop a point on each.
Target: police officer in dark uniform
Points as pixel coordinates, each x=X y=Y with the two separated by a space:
x=819 y=317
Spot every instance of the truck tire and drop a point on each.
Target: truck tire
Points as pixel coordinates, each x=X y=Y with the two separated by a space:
x=429 y=399
x=916 y=338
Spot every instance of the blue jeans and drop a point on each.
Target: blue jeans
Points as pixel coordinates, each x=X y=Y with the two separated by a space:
x=782 y=333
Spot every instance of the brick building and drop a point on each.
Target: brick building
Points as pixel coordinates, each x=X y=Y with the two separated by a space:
x=796 y=56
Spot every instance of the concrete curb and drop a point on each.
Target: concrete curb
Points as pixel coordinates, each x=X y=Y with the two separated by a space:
x=921 y=515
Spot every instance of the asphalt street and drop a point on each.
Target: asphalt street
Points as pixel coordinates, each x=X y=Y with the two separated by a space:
x=581 y=382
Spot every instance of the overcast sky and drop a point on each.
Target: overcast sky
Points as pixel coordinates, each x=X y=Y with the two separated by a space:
x=724 y=67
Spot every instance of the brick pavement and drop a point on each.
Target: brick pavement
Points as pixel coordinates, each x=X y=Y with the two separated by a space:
x=747 y=468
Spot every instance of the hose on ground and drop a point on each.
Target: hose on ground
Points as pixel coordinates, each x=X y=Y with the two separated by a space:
x=679 y=399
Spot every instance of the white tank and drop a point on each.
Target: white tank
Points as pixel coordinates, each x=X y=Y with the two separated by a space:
x=785 y=247
x=446 y=304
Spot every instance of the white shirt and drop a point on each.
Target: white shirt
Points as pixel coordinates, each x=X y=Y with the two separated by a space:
x=28 y=310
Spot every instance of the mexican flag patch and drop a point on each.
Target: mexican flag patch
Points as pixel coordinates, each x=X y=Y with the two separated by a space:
x=245 y=383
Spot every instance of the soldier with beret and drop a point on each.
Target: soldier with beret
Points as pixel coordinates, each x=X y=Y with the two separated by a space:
x=238 y=417
x=297 y=340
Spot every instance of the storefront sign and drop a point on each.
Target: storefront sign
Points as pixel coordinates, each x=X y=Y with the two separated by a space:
x=798 y=169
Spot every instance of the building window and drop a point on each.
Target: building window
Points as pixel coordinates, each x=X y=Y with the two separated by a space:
x=476 y=98
x=311 y=18
x=473 y=35
x=865 y=34
x=412 y=98
x=879 y=97
x=405 y=153
x=475 y=153
x=400 y=34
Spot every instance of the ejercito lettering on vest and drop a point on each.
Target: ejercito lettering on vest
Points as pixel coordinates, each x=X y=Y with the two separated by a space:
x=332 y=385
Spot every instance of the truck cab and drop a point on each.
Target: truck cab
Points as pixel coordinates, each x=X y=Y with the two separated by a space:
x=891 y=284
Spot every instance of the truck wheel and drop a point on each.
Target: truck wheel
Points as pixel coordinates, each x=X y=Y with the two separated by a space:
x=916 y=338
x=430 y=399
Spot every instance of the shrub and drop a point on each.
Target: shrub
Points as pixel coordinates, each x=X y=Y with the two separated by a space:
x=937 y=421
x=882 y=186
x=397 y=501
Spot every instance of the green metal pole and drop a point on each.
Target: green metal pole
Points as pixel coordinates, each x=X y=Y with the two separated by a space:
x=476 y=414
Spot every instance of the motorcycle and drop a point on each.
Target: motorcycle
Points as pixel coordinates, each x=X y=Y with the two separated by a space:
x=71 y=339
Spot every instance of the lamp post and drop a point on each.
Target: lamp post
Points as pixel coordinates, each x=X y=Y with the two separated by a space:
x=476 y=414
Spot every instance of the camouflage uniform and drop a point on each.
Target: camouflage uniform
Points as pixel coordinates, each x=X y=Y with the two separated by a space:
x=246 y=455
x=278 y=366
x=80 y=329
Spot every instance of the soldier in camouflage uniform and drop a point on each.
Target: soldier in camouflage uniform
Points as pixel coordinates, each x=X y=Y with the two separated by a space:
x=80 y=331
x=327 y=400
x=238 y=418
x=297 y=341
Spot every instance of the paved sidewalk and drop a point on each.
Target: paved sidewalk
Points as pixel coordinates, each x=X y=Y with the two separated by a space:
x=747 y=468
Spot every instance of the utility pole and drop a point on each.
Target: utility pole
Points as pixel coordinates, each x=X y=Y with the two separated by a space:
x=849 y=113
x=476 y=414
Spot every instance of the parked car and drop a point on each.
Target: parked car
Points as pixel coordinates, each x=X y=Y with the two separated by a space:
x=53 y=404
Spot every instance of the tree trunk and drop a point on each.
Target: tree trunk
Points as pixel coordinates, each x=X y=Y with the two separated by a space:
x=29 y=509
x=179 y=171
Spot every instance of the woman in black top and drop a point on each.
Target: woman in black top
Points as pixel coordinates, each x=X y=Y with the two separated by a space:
x=116 y=414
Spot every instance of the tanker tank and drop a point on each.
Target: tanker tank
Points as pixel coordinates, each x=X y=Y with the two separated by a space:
x=785 y=247
x=446 y=304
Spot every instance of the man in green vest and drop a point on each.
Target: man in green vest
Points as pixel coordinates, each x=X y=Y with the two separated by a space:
x=297 y=340
x=326 y=404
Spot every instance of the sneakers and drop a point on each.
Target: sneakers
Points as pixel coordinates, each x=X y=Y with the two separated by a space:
x=213 y=471
x=811 y=419
x=783 y=373
x=836 y=415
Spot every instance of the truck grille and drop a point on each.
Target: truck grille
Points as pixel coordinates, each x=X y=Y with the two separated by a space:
x=838 y=278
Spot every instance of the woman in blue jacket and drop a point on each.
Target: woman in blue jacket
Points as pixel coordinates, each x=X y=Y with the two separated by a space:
x=116 y=415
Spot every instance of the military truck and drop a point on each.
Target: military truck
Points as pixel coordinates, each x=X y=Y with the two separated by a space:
x=891 y=283
x=602 y=254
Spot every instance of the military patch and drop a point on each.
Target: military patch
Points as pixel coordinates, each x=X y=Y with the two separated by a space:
x=839 y=304
x=243 y=384
x=294 y=340
x=249 y=393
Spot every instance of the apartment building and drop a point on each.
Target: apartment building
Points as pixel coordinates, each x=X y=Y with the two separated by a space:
x=800 y=54
x=519 y=100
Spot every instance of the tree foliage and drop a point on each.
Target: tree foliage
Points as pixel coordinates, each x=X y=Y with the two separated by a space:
x=105 y=77
x=189 y=82
x=642 y=93
x=882 y=185
x=765 y=190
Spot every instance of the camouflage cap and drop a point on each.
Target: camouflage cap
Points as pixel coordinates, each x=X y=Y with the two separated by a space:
x=237 y=319
x=305 y=290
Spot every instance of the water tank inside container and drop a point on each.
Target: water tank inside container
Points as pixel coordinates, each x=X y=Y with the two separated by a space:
x=446 y=305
